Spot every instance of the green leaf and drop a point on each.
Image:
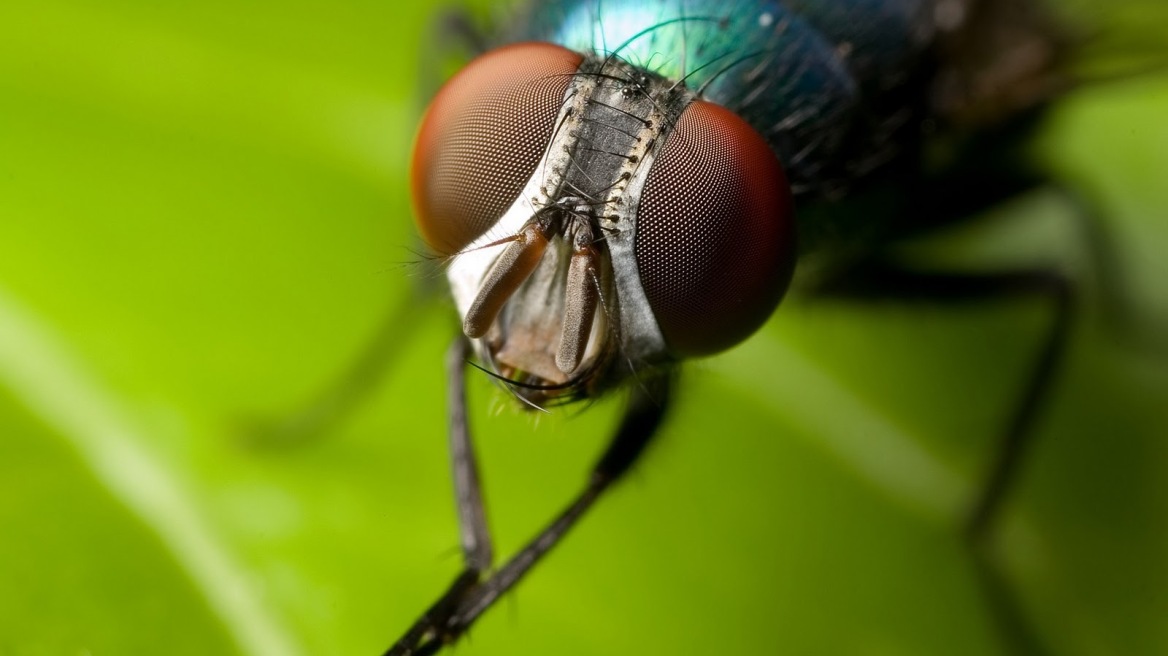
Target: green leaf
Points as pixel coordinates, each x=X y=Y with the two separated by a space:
x=204 y=218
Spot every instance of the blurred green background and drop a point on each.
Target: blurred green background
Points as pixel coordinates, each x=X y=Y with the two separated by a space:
x=204 y=217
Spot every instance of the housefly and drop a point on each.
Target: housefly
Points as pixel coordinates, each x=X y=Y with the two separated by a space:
x=617 y=187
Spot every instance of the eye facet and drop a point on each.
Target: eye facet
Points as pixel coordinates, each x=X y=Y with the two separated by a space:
x=715 y=234
x=483 y=137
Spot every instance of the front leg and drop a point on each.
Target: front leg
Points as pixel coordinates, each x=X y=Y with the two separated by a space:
x=428 y=634
x=469 y=596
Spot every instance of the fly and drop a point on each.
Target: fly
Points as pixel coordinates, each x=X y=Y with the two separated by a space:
x=622 y=186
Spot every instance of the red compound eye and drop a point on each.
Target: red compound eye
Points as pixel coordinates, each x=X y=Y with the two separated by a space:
x=483 y=137
x=715 y=234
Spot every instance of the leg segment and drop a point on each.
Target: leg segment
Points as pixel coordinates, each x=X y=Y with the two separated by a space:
x=469 y=596
x=334 y=403
x=885 y=281
x=472 y=517
x=639 y=424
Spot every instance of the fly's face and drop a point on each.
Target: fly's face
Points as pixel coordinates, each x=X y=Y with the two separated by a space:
x=599 y=218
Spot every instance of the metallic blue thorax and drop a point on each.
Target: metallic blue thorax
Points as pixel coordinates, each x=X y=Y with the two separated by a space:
x=814 y=77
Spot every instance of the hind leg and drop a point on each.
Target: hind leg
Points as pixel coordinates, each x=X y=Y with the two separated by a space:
x=885 y=280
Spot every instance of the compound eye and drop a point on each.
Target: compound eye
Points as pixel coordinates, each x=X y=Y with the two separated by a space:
x=715 y=234
x=482 y=139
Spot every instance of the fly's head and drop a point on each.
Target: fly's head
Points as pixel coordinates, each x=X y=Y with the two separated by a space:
x=598 y=219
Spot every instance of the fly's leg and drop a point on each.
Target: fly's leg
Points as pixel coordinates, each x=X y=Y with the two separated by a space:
x=427 y=635
x=879 y=280
x=474 y=535
x=320 y=414
x=461 y=39
x=469 y=596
